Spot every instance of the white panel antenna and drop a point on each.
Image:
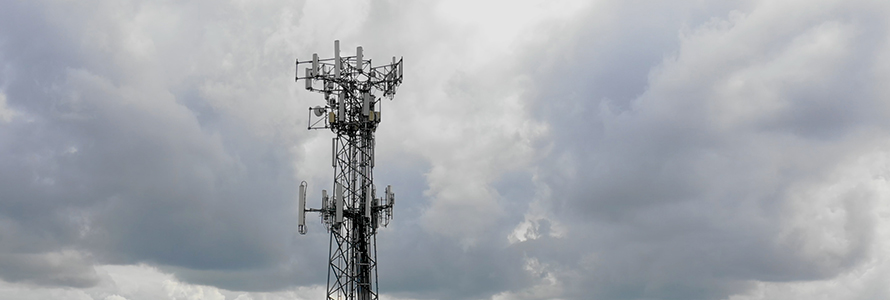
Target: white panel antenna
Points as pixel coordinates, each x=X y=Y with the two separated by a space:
x=341 y=107
x=390 y=199
x=301 y=204
x=325 y=205
x=314 y=64
x=368 y=200
x=334 y=153
x=339 y=202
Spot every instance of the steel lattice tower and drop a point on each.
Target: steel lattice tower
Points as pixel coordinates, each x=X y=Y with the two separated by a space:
x=353 y=89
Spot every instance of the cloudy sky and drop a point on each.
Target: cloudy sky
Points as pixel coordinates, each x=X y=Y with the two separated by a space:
x=549 y=149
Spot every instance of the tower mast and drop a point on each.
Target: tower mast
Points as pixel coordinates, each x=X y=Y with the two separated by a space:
x=353 y=89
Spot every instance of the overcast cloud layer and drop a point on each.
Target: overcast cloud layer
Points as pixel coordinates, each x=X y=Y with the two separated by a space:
x=564 y=149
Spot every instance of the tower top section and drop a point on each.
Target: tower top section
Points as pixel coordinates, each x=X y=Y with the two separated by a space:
x=352 y=86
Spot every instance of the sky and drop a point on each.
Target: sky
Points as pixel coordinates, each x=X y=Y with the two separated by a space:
x=559 y=149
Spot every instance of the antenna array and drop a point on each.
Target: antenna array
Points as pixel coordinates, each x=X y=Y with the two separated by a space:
x=353 y=89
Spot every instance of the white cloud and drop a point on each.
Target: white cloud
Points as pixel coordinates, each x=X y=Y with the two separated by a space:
x=472 y=124
x=828 y=227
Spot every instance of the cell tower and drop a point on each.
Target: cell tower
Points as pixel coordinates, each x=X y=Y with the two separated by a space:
x=353 y=89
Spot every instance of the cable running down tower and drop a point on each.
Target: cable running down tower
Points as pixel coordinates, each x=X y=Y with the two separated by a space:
x=353 y=89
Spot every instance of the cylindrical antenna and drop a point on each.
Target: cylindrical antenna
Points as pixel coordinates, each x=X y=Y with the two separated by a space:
x=366 y=103
x=358 y=58
x=337 y=65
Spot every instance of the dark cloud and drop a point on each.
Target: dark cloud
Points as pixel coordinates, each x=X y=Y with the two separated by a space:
x=683 y=191
x=66 y=268
x=106 y=159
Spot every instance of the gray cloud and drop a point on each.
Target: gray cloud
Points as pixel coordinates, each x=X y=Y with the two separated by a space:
x=66 y=268
x=686 y=191
x=106 y=157
x=612 y=150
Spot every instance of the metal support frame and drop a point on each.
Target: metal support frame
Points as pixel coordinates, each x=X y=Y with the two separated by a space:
x=351 y=86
